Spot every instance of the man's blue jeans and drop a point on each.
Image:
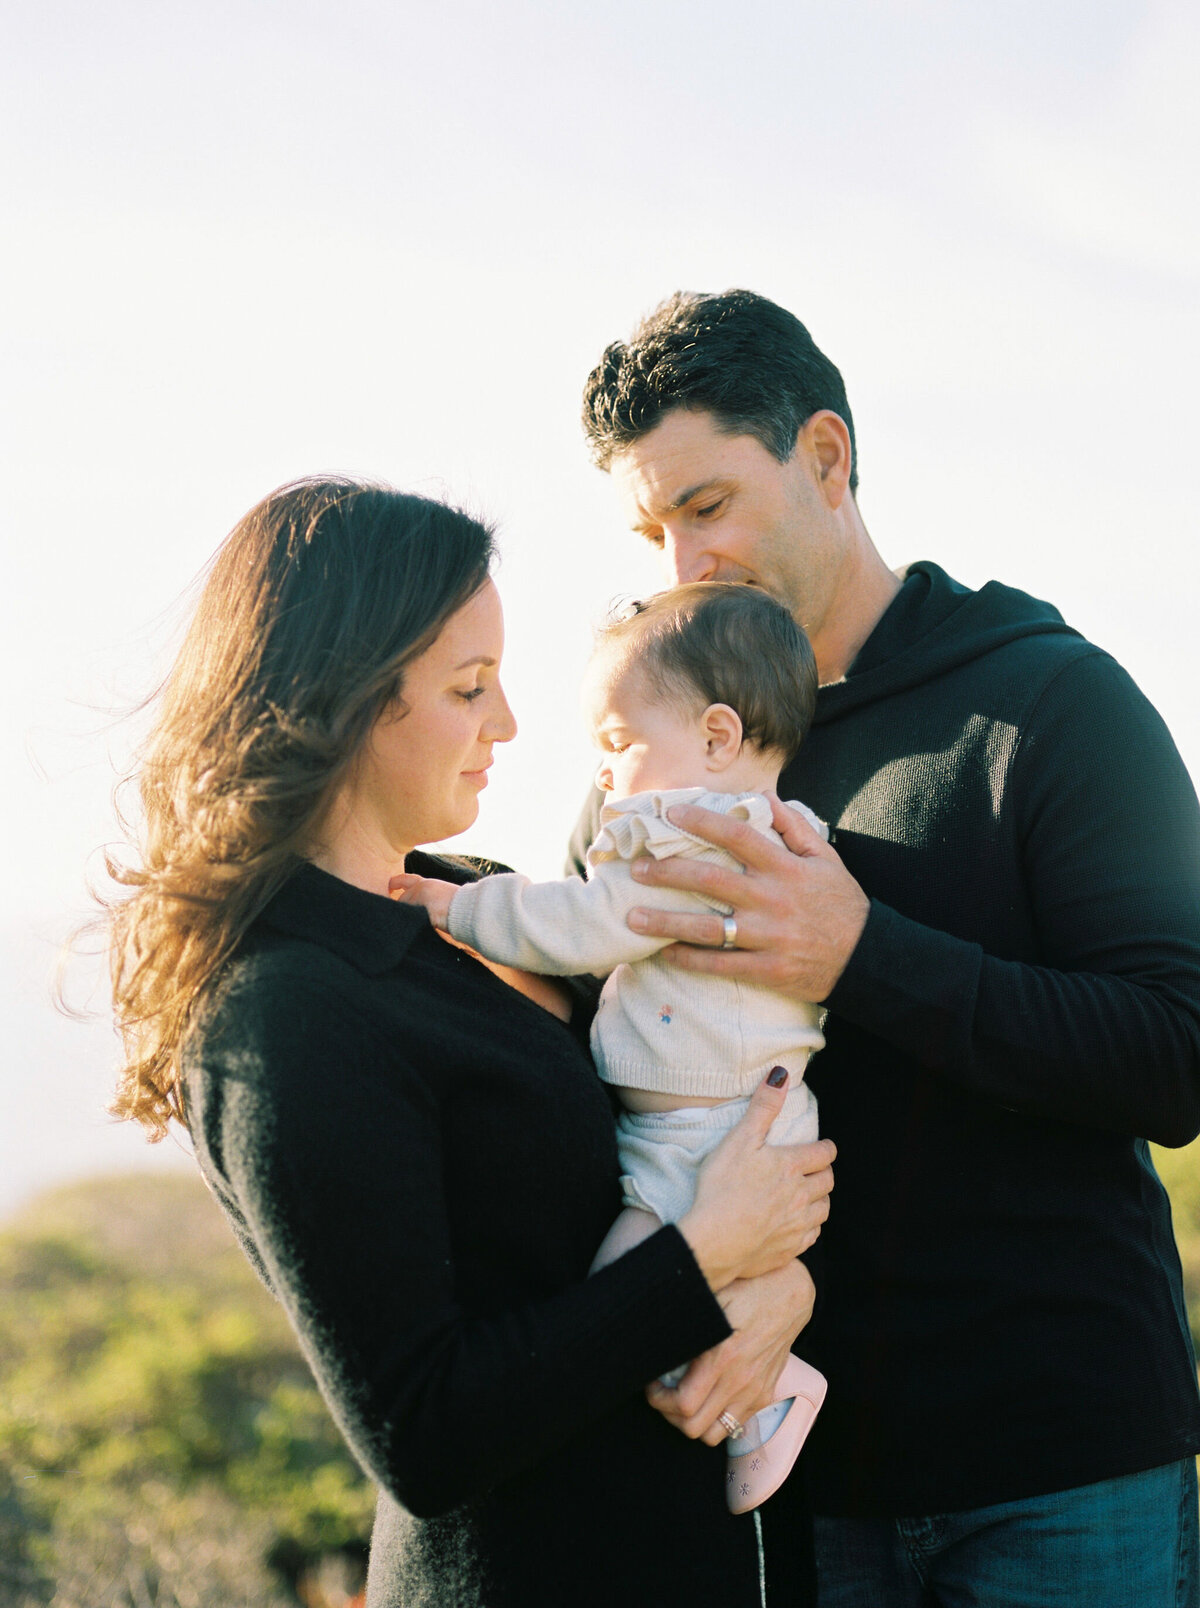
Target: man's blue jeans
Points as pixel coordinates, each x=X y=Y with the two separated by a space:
x=1123 y=1543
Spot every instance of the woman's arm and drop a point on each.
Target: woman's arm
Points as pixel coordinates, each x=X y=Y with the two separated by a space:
x=338 y=1169
x=739 y=1375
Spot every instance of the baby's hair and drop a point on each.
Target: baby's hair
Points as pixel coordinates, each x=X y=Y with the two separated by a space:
x=722 y=642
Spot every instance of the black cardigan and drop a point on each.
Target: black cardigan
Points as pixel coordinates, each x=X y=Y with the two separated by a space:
x=421 y=1162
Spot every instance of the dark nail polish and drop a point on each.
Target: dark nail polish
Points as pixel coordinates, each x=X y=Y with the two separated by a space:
x=777 y=1076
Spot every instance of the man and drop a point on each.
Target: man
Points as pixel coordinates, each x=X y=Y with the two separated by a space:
x=1007 y=936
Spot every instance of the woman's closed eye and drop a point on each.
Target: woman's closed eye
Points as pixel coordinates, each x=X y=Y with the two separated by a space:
x=471 y=694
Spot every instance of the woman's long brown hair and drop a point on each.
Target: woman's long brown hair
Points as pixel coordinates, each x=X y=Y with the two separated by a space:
x=314 y=604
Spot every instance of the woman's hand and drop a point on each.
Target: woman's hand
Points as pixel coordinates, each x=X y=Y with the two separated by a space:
x=758 y=1206
x=738 y=1376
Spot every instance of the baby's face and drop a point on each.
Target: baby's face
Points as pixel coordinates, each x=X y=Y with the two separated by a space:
x=649 y=744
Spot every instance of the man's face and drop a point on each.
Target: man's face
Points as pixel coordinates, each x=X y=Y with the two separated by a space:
x=722 y=508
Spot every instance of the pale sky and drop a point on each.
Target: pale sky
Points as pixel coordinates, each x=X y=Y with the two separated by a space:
x=247 y=241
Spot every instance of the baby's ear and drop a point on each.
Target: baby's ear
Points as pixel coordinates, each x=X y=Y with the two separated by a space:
x=722 y=727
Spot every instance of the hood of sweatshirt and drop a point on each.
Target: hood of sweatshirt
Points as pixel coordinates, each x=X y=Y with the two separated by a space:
x=932 y=625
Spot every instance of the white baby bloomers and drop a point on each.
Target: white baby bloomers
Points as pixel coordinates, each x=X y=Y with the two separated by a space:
x=657 y=1027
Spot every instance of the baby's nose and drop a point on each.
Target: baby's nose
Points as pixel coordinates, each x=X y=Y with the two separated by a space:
x=604 y=777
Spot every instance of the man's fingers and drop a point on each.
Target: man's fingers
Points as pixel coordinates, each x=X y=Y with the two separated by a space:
x=703 y=928
x=801 y=836
x=756 y=966
x=694 y=876
x=745 y=842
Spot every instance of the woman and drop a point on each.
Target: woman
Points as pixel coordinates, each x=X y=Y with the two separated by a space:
x=384 y=1118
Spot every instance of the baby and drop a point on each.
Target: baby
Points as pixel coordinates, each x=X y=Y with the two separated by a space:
x=700 y=696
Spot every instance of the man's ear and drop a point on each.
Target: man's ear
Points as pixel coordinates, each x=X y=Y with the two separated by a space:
x=827 y=443
x=722 y=728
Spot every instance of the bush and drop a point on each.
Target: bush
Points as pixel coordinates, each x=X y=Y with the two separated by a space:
x=1180 y=1172
x=161 y=1439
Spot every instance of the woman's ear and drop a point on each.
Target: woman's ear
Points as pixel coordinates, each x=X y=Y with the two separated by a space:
x=722 y=728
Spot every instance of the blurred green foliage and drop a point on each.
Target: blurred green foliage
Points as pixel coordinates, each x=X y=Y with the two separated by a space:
x=1180 y=1173
x=161 y=1439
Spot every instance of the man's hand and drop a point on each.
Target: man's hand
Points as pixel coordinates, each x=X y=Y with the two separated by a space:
x=799 y=912
x=739 y=1375
x=427 y=891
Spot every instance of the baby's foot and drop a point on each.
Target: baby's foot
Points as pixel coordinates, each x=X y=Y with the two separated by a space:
x=762 y=1458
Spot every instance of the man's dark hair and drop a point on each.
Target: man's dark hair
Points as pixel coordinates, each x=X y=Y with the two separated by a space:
x=722 y=642
x=738 y=356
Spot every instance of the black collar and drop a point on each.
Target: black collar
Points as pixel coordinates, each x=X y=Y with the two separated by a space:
x=369 y=930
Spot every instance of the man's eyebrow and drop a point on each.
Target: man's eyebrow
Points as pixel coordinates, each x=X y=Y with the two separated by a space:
x=480 y=658
x=701 y=486
x=648 y=521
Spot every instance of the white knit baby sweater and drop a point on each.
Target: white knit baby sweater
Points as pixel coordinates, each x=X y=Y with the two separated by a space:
x=657 y=1026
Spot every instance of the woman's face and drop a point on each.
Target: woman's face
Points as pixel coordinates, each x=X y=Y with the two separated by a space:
x=426 y=761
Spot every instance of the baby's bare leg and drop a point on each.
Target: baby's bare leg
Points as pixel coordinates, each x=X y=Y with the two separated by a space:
x=630 y=1229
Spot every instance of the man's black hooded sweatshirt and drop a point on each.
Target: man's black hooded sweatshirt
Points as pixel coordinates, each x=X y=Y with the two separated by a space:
x=1000 y=1309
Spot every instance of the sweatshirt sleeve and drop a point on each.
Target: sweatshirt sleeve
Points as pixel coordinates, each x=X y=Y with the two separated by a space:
x=561 y=928
x=437 y=1402
x=1105 y=1029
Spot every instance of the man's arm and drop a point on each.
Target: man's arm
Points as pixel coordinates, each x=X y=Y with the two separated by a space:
x=1105 y=1029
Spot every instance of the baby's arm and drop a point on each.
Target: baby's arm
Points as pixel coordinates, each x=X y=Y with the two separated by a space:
x=435 y=896
x=556 y=928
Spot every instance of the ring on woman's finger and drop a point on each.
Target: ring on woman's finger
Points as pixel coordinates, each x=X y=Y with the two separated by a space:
x=728 y=1422
x=730 y=932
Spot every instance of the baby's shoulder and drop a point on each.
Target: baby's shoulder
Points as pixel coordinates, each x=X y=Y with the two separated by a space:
x=756 y=810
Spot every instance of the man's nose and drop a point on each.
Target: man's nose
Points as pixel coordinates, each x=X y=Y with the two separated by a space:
x=687 y=561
